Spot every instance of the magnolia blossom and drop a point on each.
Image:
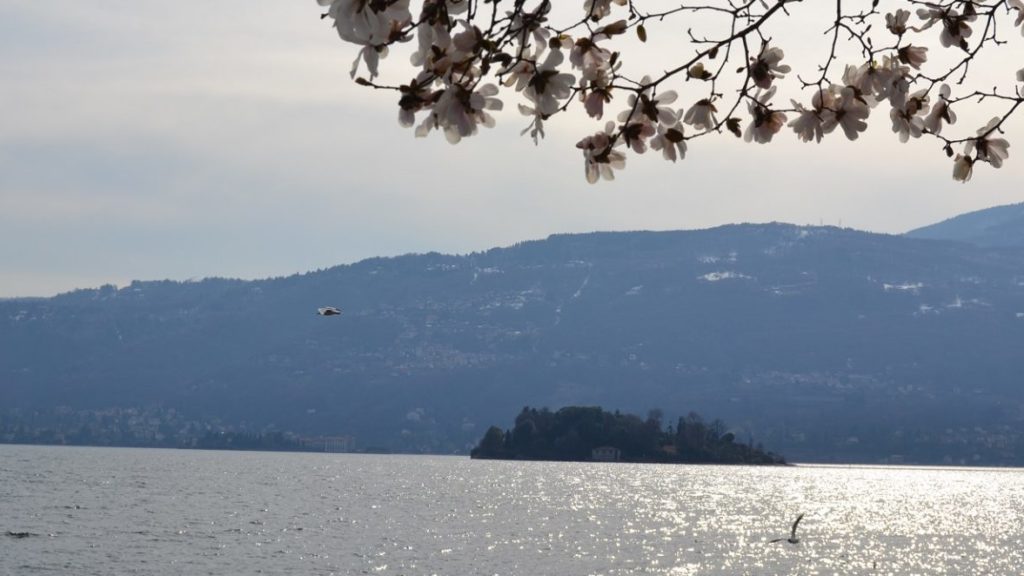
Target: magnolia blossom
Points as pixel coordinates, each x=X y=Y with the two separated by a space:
x=897 y=81
x=810 y=123
x=599 y=158
x=671 y=141
x=597 y=9
x=435 y=11
x=697 y=71
x=416 y=96
x=941 y=112
x=766 y=122
x=849 y=113
x=897 y=23
x=955 y=27
x=362 y=22
x=536 y=127
x=1018 y=5
x=906 y=120
x=459 y=110
x=595 y=94
x=591 y=59
x=702 y=115
x=867 y=80
x=530 y=25
x=521 y=72
x=995 y=150
x=427 y=37
x=441 y=53
x=913 y=55
x=548 y=86
x=635 y=135
x=370 y=24
x=457 y=48
x=653 y=108
x=766 y=67
x=435 y=23
x=963 y=166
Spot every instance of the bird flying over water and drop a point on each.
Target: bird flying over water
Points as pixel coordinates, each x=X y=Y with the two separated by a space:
x=792 y=533
x=328 y=311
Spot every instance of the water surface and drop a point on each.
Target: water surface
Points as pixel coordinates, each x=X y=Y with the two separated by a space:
x=166 y=512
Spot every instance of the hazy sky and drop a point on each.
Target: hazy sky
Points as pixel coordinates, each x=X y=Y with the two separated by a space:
x=189 y=139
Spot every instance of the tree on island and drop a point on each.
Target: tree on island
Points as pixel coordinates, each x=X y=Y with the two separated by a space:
x=909 y=64
x=573 y=433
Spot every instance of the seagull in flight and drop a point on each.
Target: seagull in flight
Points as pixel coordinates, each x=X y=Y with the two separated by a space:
x=328 y=311
x=792 y=533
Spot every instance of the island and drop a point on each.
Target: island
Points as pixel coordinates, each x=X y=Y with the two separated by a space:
x=589 y=433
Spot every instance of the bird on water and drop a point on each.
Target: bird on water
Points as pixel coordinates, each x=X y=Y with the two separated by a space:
x=328 y=311
x=792 y=533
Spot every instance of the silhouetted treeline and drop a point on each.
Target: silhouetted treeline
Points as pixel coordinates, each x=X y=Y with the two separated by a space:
x=573 y=433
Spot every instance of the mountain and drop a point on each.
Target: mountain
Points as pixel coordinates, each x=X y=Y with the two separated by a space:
x=998 y=226
x=825 y=344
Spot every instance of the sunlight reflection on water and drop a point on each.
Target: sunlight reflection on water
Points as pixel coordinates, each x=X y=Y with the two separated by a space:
x=159 y=512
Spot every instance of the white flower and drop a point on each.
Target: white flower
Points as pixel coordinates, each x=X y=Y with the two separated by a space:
x=367 y=23
x=913 y=55
x=897 y=23
x=426 y=38
x=458 y=111
x=702 y=115
x=370 y=55
x=1018 y=5
x=530 y=25
x=868 y=80
x=599 y=157
x=370 y=25
x=653 y=108
x=955 y=27
x=595 y=94
x=547 y=85
x=849 y=114
x=810 y=123
x=697 y=71
x=597 y=9
x=643 y=113
x=963 y=166
x=536 y=127
x=897 y=82
x=521 y=71
x=671 y=141
x=941 y=112
x=995 y=150
x=766 y=67
x=416 y=96
x=593 y=60
x=635 y=135
x=441 y=53
x=906 y=120
x=766 y=122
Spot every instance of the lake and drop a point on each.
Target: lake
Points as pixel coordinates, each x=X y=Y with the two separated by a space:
x=100 y=511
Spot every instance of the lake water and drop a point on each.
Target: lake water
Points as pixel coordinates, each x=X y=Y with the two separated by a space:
x=165 y=512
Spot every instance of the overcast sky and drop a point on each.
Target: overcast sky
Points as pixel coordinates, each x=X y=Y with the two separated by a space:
x=186 y=139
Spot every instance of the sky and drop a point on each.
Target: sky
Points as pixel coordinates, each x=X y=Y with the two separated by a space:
x=191 y=139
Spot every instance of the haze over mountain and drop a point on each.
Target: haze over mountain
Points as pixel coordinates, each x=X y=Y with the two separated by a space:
x=997 y=226
x=825 y=344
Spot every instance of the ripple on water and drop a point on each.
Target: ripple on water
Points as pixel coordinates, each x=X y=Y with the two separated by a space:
x=159 y=512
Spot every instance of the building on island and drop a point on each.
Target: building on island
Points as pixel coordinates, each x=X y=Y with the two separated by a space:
x=330 y=443
x=606 y=454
